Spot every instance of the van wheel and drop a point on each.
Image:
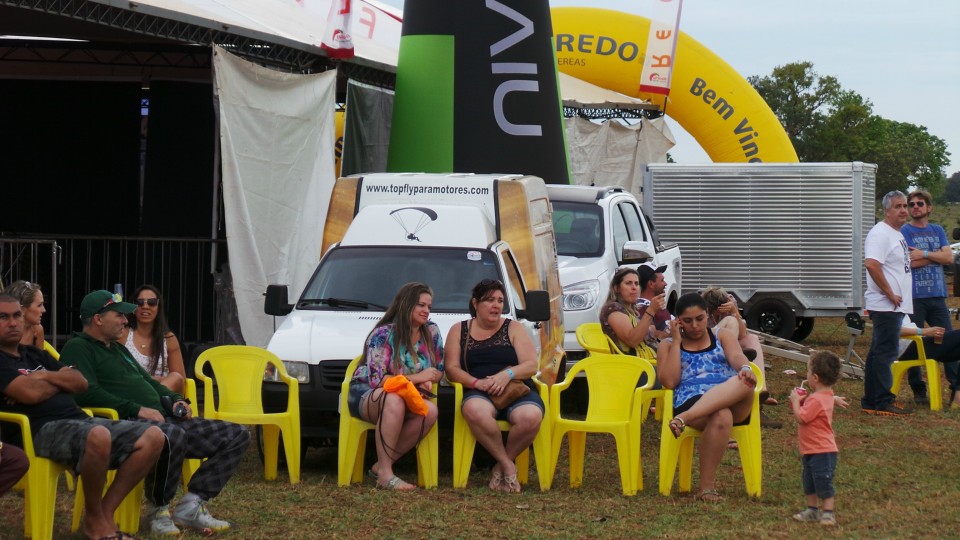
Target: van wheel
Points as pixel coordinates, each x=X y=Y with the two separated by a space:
x=772 y=316
x=803 y=329
x=281 y=452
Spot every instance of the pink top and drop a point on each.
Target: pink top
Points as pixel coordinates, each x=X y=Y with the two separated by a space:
x=816 y=423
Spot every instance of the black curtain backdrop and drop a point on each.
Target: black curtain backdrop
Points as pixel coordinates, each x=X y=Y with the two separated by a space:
x=69 y=156
x=178 y=195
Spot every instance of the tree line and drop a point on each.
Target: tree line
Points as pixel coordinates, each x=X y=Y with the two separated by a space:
x=825 y=122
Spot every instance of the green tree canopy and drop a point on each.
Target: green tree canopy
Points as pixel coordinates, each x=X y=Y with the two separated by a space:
x=827 y=123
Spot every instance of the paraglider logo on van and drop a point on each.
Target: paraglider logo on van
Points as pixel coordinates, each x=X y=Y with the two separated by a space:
x=412 y=219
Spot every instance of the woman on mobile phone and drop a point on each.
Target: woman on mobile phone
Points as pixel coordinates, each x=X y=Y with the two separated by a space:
x=712 y=384
x=404 y=342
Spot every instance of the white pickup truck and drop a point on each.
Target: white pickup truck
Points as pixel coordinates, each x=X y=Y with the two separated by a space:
x=599 y=229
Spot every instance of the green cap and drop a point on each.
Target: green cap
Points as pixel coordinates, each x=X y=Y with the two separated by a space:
x=100 y=301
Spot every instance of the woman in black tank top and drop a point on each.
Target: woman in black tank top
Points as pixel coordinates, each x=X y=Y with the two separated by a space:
x=484 y=354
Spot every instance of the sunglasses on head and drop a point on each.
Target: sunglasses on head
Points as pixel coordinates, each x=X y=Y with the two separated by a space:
x=148 y=301
x=114 y=299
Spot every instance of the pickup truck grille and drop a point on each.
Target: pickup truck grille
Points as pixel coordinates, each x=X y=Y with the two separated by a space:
x=332 y=372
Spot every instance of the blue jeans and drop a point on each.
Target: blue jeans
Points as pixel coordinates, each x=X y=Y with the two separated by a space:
x=934 y=312
x=818 y=470
x=884 y=347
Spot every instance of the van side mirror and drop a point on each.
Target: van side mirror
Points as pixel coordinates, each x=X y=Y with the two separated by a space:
x=635 y=252
x=275 y=301
x=538 y=306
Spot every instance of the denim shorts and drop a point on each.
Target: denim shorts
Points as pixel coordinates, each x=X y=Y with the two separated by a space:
x=818 y=472
x=531 y=398
x=358 y=391
x=685 y=406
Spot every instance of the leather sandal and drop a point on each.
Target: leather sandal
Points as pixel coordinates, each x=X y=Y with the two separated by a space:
x=677 y=425
x=396 y=484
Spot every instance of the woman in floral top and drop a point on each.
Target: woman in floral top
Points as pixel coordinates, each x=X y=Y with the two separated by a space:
x=403 y=342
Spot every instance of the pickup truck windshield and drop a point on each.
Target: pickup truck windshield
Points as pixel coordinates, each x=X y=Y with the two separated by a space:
x=579 y=229
x=366 y=278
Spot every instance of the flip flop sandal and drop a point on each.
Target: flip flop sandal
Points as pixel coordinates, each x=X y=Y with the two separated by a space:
x=396 y=484
x=510 y=484
x=496 y=481
x=710 y=496
x=677 y=425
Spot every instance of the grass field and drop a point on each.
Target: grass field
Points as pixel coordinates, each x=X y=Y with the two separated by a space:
x=897 y=478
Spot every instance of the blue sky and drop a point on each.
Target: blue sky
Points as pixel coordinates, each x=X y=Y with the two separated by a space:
x=902 y=56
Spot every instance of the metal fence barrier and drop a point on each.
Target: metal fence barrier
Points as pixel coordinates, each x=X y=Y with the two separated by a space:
x=191 y=275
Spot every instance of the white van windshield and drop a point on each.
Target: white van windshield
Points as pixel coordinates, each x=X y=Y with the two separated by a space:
x=367 y=278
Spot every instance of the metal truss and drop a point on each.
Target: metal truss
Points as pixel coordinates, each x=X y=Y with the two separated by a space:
x=252 y=47
x=608 y=113
x=111 y=54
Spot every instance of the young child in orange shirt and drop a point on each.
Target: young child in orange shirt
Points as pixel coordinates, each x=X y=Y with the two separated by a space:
x=818 y=446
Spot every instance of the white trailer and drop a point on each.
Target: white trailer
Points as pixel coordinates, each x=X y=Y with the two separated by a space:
x=785 y=238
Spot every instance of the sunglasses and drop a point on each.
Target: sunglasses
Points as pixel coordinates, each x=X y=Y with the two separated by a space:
x=114 y=299
x=919 y=204
x=152 y=302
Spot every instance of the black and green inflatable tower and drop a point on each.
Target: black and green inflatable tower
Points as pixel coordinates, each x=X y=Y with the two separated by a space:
x=477 y=90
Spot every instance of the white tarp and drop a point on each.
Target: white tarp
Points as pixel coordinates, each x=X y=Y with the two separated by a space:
x=613 y=154
x=277 y=140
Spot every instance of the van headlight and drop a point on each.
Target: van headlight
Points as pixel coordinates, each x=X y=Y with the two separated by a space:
x=581 y=296
x=298 y=370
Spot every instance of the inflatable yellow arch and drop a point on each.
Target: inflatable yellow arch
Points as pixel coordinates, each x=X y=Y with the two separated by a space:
x=716 y=105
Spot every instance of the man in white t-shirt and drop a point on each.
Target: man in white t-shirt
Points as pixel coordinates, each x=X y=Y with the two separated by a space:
x=889 y=295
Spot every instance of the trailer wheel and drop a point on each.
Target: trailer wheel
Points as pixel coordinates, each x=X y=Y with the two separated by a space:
x=772 y=316
x=803 y=329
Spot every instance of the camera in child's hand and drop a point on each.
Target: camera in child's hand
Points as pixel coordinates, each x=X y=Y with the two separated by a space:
x=174 y=410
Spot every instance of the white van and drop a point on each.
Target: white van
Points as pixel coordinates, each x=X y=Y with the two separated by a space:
x=385 y=230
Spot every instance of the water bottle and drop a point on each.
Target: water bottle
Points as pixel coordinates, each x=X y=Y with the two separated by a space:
x=118 y=289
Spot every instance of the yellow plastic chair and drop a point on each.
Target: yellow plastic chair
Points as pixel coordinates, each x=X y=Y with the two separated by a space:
x=680 y=449
x=615 y=407
x=49 y=348
x=39 y=485
x=352 y=442
x=464 y=444
x=899 y=367
x=238 y=375
x=190 y=466
x=593 y=340
x=56 y=356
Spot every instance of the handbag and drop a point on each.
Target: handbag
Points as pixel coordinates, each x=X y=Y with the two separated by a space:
x=513 y=391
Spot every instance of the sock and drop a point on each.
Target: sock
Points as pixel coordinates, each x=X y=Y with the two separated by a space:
x=814 y=508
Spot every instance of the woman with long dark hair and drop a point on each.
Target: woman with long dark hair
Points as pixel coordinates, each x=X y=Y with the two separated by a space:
x=712 y=384
x=403 y=342
x=150 y=341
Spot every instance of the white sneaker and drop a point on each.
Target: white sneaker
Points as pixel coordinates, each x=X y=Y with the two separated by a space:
x=194 y=514
x=161 y=523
